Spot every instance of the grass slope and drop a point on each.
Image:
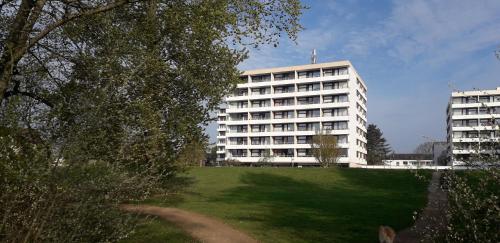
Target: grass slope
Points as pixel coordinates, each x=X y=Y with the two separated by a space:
x=157 y=230
x=304 y=205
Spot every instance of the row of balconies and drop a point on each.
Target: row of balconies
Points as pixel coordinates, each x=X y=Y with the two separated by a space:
x=292 y=75
x=325 y=106
x=475 y=99
x=290 y=99
x=287 y=95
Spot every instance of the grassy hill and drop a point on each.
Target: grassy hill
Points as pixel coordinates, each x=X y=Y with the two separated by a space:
x=303 y=204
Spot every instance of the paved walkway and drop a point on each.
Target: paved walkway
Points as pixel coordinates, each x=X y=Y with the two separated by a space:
x=432 y=218
x=206 y=229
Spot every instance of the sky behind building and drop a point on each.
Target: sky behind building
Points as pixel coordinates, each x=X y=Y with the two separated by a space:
x=410 y=53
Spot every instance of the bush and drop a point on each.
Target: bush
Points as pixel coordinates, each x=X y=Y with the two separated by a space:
x=473 y=213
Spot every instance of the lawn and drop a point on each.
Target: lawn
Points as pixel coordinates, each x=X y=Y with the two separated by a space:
x=157 y=230
x=304 y=204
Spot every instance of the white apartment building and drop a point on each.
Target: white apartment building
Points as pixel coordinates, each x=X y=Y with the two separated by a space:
x=473 y=124
x=273 y=114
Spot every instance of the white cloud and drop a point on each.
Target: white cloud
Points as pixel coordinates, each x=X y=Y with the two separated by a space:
x=425 y=28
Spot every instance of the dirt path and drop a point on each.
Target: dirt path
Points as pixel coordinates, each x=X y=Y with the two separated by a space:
x=206 y=229
x=432 y=217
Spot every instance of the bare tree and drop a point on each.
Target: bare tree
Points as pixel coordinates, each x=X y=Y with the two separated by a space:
x=325 y=149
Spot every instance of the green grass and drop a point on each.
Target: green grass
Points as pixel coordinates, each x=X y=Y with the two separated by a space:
x=157 y=230
x=304 y=204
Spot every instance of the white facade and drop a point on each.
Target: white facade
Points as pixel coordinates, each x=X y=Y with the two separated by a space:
x=275 y=112
x=407 y=163
x=473 y=124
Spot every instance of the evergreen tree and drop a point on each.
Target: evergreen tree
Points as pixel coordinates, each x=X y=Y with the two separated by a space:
x=377 y=147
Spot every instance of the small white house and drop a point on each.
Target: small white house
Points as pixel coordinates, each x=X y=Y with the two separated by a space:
x=409 y=160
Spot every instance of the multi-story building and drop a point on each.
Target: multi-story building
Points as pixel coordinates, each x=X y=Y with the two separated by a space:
x=274 y=113
x=473 y=123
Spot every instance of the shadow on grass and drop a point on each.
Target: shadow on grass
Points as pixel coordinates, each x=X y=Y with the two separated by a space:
x=346 y=210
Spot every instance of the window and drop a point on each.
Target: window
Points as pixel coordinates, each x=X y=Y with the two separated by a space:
x=283 y=152
x=261 y=78
x=238 y=128
x=308 y=113
x=309 y=74
x=284 y=89
x=283 y=114
x=304 y=153
x=241 y=92
x=261 y=116
x=484 y=99
x=335 y=98
x=308 y=126
x=284 y=102
x=308 y=100
x=335 y=112
x=283 y=140
x=284 y=76
x=335 y=85
x=238 y=152
x=343 y=152
x=465 y=123
x=338 y=125
x=335 y=71
x=238 y=141
x=286 y=127
x=261 y=91
x=260 y=103
x=341 y=139
x=259 y=140
x=308 y=87
x=487 y=122
x=260 y=128
x=304 y=139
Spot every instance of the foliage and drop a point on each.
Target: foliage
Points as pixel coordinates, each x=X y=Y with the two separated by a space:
x=100 y=100
x=305 y=204
x=325 y=149
x=376 y=146
x=211 y=155
x=77 y=202
x=192 y=154
x=473 y=213
x=424 y=148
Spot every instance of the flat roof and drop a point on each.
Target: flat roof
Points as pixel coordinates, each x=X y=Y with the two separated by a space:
x=476 y=92
x=298 y=67
x=341 y=63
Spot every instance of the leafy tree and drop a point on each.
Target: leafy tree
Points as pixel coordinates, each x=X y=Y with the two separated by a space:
x=325 y=149
x=424 y=148
x=192 y=154
x=376 y=146
x=100 y=100
x=211 y=154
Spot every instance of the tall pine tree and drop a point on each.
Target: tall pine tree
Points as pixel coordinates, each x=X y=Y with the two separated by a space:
x=377 y=147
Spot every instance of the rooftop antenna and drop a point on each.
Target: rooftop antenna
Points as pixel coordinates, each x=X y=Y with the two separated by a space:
x=313 y=57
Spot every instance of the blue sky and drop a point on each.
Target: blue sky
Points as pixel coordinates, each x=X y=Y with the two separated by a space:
x=409 y=52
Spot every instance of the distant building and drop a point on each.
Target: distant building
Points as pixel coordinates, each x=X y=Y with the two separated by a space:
x=274 y=113
x=473 y=121
x=409 y=160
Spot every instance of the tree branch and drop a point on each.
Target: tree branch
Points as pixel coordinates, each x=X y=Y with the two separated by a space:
x=71 y=17
x=36 y=97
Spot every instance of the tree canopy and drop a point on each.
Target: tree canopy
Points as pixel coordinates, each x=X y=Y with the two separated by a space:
x=117 y=90
x=325 y=149
x=376 y=146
